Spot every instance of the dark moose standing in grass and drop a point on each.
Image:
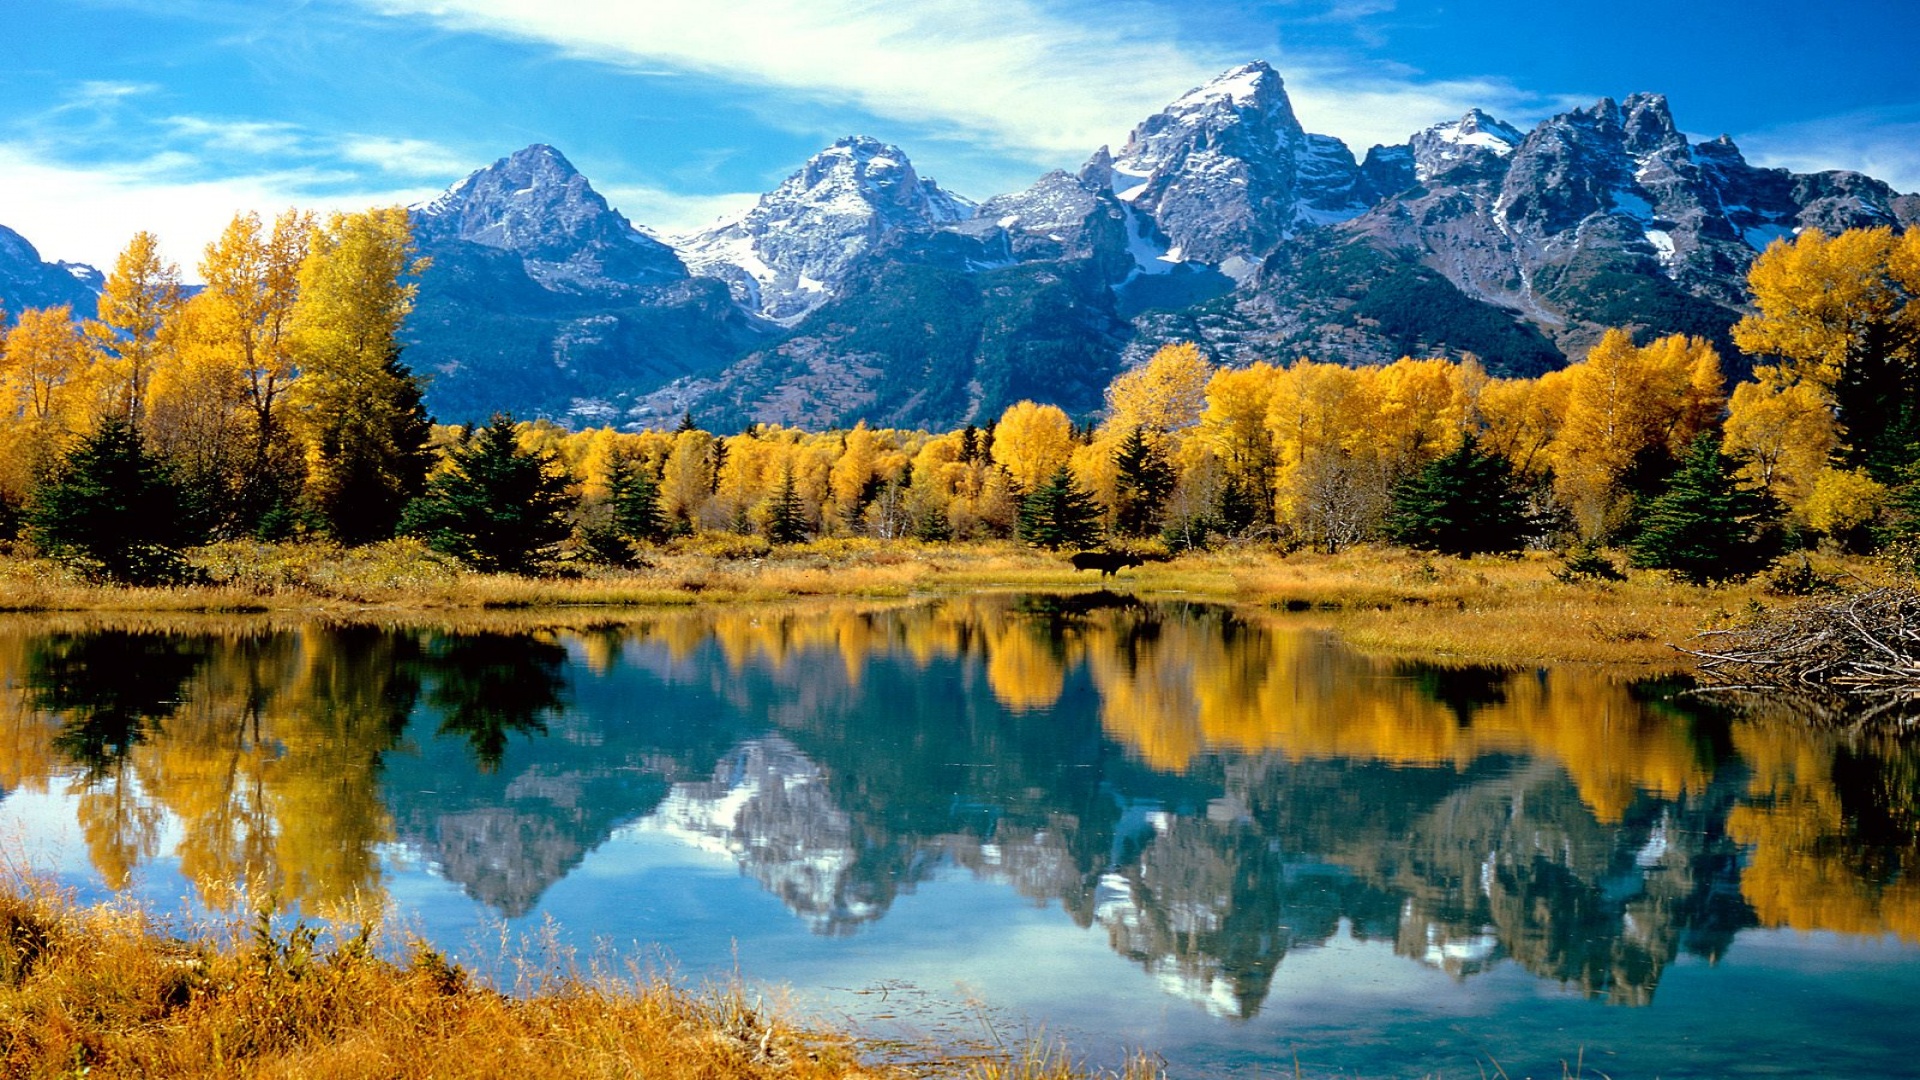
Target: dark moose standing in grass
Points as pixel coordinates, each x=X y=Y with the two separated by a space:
x=1107 y=562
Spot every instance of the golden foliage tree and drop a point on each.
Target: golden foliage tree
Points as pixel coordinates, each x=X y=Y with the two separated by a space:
x=1624 y=404
x=1840 y=313
x=362 y=425
x=44 y=396
x=138 y=299
x=1032 y=442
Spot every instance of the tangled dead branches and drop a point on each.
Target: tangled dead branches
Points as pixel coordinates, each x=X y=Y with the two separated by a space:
x=1860 y=652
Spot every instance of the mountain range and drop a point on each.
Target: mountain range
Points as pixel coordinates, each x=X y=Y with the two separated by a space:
x=860 y=290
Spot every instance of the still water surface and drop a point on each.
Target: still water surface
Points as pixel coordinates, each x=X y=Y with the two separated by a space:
x=1206 y=832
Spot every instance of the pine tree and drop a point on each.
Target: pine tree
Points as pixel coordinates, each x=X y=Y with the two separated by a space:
x=1707 y=526
x=634 y=497
x=113 y=509
x=787 y=523
x=1144 y=482
x=1059 y=514
x=1464 y=503
x=495 y=507
x=1899 y=530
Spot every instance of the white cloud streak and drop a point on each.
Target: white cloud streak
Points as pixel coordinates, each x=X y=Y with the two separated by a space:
x=1019 y=77
x=663 y=212
x=1872 y=143
x=88 y=213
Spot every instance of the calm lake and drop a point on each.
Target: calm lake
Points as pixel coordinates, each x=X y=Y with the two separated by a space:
x=1206 y=832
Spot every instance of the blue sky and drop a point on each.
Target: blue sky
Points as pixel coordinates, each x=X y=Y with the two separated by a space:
x=170 y=115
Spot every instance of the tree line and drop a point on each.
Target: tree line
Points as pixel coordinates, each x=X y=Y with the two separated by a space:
x=274 y=403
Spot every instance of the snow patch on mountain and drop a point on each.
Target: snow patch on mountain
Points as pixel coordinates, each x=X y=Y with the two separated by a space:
x=792 y=250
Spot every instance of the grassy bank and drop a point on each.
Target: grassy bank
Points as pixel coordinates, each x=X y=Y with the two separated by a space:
x=105 y=992
x=1494 y=609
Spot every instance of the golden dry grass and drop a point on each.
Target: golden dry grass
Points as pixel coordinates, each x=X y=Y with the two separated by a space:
x=105 y=992
x=1499 y=609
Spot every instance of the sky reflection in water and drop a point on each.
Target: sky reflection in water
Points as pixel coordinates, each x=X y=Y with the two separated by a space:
x=1195 y=829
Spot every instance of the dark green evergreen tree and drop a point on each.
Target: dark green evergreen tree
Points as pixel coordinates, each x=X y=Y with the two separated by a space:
x=1899 y=529
x=787 y=523
x=495 y=507
x=1707 y=526
x=378 y=456
x=1145 y=480
x=634 y=498
x=1059 y=513
x=1235 y=510
x=1465 y=503
x=114 y=510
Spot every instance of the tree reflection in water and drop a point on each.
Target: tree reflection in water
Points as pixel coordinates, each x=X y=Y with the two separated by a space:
x=1213 y=788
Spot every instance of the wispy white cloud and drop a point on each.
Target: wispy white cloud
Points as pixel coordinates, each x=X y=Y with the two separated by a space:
x=665 y=212
x=405 y=157
x=87 y=213
x=98 y=92
x=1027 y=78
x=242 y=136
x=1882 y=145
x=1013 y=74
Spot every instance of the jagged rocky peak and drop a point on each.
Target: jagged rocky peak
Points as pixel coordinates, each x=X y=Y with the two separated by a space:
x=1649 y=126
x=535 y=204
x=790 y=252
x=1226 y=171
x=872 y=174
x=1476 y=140
x=1061 y=216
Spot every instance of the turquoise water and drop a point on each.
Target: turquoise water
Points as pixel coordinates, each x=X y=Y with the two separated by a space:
x=1205 y=833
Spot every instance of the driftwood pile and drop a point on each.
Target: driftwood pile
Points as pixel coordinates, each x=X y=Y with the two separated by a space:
x=1860 y=652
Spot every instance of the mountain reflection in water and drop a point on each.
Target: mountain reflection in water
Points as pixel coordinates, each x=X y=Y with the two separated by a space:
x=1213 y=788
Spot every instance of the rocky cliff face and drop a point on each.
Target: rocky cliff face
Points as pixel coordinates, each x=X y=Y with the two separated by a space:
x=536 y=207
x=1603 y=216
x=792 y=251
x=542 y=300
x=1226 y=172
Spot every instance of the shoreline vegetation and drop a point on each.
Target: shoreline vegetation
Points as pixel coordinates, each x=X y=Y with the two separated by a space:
x=109 y=991
x=1530 y=608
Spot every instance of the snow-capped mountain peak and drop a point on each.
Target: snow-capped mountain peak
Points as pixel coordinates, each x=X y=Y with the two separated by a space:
x=1474 y=139
x=536 y=205
x=790 y=252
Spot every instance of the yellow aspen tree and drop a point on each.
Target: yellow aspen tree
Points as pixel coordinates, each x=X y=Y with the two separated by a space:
x=1520 y=419
x=252 y=282
x=1031 y=442
x=1419 y=411
x=1842 y=502
x=853 y=473
x=196 y=407
x=1323 y=485
x=686 y=485
x=1786 y=431
x=1826 y=302
x=1624 y=401
x=751 y=477
x=361 y=421
x=1097 y=472
x=45 y=392
x=1234 y=428
x=1166 y=394
x=1840 y=312
x=139 y=296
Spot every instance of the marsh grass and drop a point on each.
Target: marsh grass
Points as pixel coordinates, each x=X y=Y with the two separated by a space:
x=108 y=991
x=1488 y=608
